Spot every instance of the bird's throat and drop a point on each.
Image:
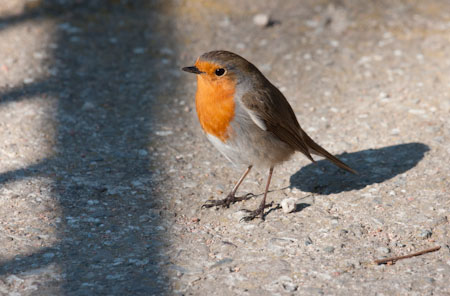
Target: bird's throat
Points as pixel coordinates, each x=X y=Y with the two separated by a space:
x=215 y=105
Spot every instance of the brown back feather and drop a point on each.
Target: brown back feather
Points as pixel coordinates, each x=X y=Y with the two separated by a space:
x=270 y=105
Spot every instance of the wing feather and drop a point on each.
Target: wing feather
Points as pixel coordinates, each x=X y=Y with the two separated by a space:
x=269 y=108
x=277 y=116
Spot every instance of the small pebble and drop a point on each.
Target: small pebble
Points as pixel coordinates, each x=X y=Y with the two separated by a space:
x=163 y=133
x=136 y=183
x=343 y=232
x=49 y=255
x=92 y=202
x=139 y=50
x=88 y=106
x=416 y=111
x=329 y=249
x=142 y=152
x=308 y=241
x=190 y=184
x=430 y=280
x=312 y=23
x=261 y=20
x=28 y=80
x=160 y=228
x=113 y=276
x=398 y=53
x=334 y=43
x=289 y=205
x=426 y=234
x=395 y=131
x=38 y=55
x=383 y=95
x=289 y=286
x=383 y=250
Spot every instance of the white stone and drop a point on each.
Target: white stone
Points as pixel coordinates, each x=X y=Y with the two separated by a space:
x=261 y=19
x=289 y=205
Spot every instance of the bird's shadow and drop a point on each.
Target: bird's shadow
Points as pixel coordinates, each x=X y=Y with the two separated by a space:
x=373 y=165
x=300 y=207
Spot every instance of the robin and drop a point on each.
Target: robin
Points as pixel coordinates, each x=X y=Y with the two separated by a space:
x=248 y=120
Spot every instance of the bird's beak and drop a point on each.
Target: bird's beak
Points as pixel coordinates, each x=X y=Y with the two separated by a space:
x=192 y=69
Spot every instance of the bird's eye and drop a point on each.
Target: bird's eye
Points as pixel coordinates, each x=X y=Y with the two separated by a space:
x=220 y=71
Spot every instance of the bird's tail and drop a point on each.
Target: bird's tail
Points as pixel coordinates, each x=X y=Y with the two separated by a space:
x=316 y=149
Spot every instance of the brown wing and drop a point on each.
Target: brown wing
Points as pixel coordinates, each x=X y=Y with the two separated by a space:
x=271 y=107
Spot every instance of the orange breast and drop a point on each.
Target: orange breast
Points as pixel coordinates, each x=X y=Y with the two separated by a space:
x=215 y=105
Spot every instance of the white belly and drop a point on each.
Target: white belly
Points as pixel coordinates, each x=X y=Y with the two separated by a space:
x=248 y=145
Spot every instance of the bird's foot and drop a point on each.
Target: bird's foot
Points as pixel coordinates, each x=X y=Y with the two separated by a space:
x=258 y=212
x=225 y=203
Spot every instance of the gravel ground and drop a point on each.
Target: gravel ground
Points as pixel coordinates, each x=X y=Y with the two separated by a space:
x=103 y=166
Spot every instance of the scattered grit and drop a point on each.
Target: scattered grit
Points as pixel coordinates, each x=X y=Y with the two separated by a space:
x=103 y=167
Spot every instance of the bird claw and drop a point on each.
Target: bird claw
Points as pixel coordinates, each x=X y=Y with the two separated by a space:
x=253 y=214
x=216 y=203
x=225 y=203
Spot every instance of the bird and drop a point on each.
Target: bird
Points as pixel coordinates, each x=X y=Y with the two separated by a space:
x=248 y=120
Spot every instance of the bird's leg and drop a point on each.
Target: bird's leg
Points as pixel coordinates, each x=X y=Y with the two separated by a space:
x=262 y=206
x=231 y=197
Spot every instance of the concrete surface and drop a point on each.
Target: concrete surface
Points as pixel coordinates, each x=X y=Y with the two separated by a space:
x=103 y=167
